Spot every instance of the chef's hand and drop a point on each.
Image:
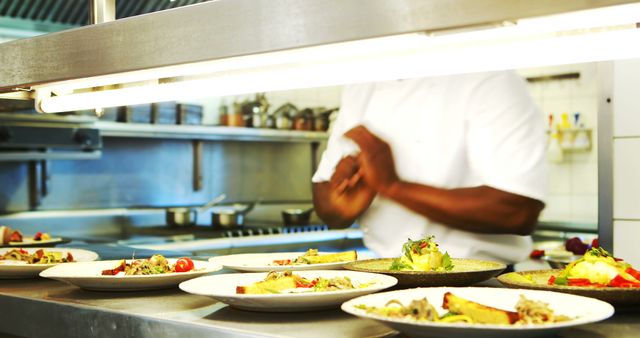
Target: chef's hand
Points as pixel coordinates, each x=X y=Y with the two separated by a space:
x=349 y=192
x=375 y=161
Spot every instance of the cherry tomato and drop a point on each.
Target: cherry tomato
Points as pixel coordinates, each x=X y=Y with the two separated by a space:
x=37 y=236
x=184 y=264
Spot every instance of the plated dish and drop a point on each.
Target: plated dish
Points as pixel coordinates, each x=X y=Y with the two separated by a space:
x=286 y=297
x=596 y=274
x=89 y=275
x=477 y=312
x=423 y=264
x=29 y=262
x=14 y=238
x=281 y=261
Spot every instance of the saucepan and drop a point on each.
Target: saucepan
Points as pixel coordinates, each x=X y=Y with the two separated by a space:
x=230 y=216
x=185 y=216
x=296 y=216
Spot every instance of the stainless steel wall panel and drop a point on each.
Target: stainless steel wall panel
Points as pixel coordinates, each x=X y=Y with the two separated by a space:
x=158 y=173
x=13 y=187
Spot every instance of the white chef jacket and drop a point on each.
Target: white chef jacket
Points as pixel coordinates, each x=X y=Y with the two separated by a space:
x=446 y=132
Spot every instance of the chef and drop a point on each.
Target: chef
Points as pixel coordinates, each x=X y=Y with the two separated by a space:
x=461 y=157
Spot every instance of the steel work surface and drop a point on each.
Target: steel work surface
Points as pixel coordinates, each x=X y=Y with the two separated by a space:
x=47 y=308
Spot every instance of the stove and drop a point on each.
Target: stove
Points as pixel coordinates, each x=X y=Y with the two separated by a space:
x=165 y=233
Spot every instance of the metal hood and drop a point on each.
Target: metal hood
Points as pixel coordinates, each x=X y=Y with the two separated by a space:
x=223 y=29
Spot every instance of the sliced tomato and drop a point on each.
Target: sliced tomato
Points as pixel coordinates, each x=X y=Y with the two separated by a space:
x=16 y=236
x=69 y=257
x=184 y=264
x=536 y=253
x=37 y=236
x=39 y=253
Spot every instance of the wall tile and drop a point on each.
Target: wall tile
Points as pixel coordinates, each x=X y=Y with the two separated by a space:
x=626 y=179
x=625 y=241
x=584 y=207
x=625 y=98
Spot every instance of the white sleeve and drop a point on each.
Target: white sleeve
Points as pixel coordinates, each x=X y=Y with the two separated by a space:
x=353 y=103
x=506 y=136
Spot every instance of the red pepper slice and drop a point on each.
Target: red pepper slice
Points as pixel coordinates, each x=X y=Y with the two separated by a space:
x=620 y=282
x=282 y=262
x=551 y=280
x=633 y=272
x=582 y=282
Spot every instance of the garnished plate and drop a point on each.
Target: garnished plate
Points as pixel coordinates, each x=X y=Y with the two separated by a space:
x=537 y=280
x=20 y=269
x=581 y=310
x=88 y=275
x=464 y=273
x=223 y=288
x=29 y=242
x=264 y=262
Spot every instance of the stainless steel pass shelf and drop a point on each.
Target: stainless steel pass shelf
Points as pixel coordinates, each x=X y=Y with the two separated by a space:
x=210 y=133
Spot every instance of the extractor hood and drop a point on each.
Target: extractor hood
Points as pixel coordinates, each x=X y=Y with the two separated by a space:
x=229 y=47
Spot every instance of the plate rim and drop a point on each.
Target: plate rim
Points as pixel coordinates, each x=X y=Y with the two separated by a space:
x=350 y=266
x=211 y=267
x=291 y=295
x=348 y=306
x=265 y=268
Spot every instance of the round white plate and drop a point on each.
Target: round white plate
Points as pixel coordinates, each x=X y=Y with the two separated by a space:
x=263 y=262
x=28 y=241
x=223 y=288
x=582 y=310
x=17 y=269
x=88 y=275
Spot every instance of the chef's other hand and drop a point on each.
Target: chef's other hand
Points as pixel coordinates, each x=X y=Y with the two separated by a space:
x=349 y=192
x=375 y=160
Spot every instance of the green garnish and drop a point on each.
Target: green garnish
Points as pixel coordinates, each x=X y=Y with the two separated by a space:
x=446 y=262
x=397 y=265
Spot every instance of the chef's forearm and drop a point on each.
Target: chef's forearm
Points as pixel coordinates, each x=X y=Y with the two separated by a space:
x=479 y=209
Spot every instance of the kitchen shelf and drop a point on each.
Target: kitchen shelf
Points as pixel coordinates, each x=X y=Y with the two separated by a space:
x=207 y=133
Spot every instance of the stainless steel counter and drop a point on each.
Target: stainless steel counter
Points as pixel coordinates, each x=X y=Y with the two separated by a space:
x=46 y=308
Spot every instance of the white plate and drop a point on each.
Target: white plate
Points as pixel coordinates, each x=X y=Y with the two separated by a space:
x=260 y=262
x=88 y=275
x=583 y=310
x=28 y=241
x=16 y=269
x=223 y=288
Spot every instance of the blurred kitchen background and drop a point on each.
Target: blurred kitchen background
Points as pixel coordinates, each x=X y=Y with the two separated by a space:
x=136 y=161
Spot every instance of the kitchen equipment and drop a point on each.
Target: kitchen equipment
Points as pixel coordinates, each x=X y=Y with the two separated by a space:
x=230 y=216
x=303 y=120
x=284 y=115
x=296 y=216
x=185 y=216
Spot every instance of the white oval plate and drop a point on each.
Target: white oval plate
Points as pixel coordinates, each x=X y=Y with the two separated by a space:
x=88 y=275
x=583 y=310
x=223 y=288
x=260 y=262
x=17 y=269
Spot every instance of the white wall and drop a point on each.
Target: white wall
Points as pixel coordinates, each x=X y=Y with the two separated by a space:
x=573 y=183
x=626 y=160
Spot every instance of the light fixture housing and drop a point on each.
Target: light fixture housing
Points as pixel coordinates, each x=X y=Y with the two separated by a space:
x=229 y=47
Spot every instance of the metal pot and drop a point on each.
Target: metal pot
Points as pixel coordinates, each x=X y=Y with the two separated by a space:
x=184 y=216
x=230 y=216
x=296 y=216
